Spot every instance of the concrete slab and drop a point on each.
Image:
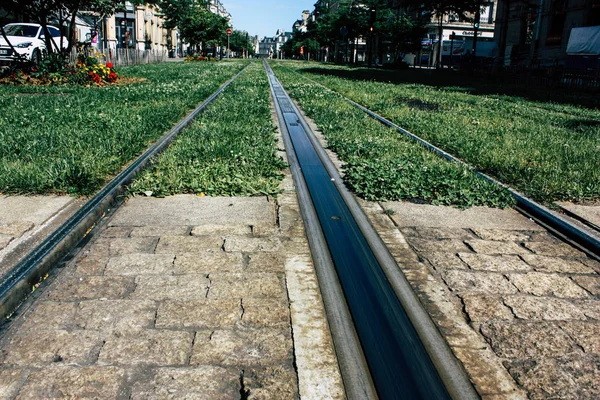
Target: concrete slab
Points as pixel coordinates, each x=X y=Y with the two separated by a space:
x=590 y=213
x=424 y=215
x=193 y=210
x=35 y=209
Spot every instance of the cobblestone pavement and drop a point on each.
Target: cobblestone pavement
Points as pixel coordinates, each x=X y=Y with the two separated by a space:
x=220 y=302
x=518 y=307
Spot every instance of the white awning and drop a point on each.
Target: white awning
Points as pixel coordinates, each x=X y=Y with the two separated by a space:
x=584 y=41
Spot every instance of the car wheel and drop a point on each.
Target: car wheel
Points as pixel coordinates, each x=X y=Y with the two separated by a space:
x=36 y=57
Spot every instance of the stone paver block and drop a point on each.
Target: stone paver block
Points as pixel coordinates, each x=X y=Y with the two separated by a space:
x=112 y=315
x=486 y=371
x=205 y=382
x=443 y=233
x=160 y=231
x=494 y=247
x=483 y=262
x=482 y=308
x=201 y=314
x=116 y=232
x=182 y=287
x=585 y=334
x=265 y=312
x=140 y=264
x=558 y=378
x=503 y=235
x=164 y=348
x=74 y=383
x=221 y=230
x=118 y=247
x=527 y=339
x=92 y=287
x=555 y=264
x=16 y=228
x=595 y=265
x=10 y=382
x=445 y=261
x=271 y=383
x=591 y=308
x=463 y=281
x=34 y=349
x=252 y=244
x=321 y=382
x=227 y=286
x=540 y=284
x=188 y=244
x=5 y=241
x=554 y=249
x=544 y=308
x=242 y=347
x=427 y=246
x=589 y=283
x=215 y=261
x=91 y=264
x=49 y=315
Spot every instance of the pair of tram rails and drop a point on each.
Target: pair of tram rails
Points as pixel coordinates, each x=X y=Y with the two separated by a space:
x=386 y=344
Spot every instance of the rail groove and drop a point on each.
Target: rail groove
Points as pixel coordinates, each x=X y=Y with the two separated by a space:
x=16 y=285
x=406 y=356
x=560 y=226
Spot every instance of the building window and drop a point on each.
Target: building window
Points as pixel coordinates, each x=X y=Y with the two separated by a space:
x=558 y=17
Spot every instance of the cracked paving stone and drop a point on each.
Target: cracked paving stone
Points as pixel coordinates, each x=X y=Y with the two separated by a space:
x=482 y=308
x=112 y=315
x=589 y=283
x=164 y=348
x=493 y=247
x=10 y=382
x=554 y=264
x=49 y=315
x=432 y=246
x=217 y=261
x=242 y=347
x=544 y=308
x=540 y=284
x=595 y=265
x=74 y=383
x=52 y=347
x=119 y=247
x=16 y=229
x=554 y=249
x=201 y=314
x=160 y=231
x=503 y=235
x=253 y=244
x=591 y=308
x=181 y=287
x=188 y=244
x=445 y=261
x=5 y=241
x=443 y=233
x=478 y=282
x=92 y=287
x=266 y=262
x=527 y=339
x=221 y=230
x=503 y=263
x=271 y=383
x=205 y=382
x=116 y=232
x=91 y=264
x=265 y=313
x=227 y=286
x=584 y=334
x=572 y=377
x=140 y=264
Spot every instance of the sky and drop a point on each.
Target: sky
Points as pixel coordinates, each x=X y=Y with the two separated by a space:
x=264 y=17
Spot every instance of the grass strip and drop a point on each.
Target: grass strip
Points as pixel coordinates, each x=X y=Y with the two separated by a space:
x=228 y=151
x=548 y=151
x=382 y=165
x=66 y=139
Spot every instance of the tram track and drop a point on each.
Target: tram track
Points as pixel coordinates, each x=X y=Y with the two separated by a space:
x=387 y=345
x=16 y=285
x=573 y=229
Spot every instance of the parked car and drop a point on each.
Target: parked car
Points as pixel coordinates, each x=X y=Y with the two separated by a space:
x=28 y=41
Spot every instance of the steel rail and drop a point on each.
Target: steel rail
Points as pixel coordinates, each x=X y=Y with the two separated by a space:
x=16 y=285
x=528 y=207
x=407 y=356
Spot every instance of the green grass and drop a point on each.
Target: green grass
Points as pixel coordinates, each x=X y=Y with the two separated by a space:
x=547 y=150
x=228 y=151
x=71 y=140
x=382 y=165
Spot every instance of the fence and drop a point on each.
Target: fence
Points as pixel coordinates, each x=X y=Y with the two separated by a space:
x=121 y=57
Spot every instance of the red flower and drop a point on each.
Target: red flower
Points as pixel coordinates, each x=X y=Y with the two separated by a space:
x=109 y=64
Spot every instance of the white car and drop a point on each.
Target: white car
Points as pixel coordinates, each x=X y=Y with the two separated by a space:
x=28 y=41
